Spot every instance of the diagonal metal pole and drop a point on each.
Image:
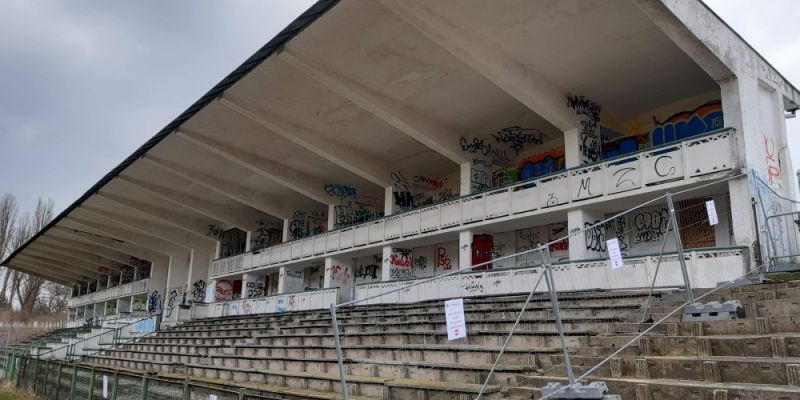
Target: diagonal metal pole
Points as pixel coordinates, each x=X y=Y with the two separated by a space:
x=551 y=287
x=658 y=266
x=508 y=338
x=679 y=246
x=339 y=351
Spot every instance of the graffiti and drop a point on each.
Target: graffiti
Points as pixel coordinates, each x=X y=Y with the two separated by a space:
x=401 y=191
x=685 y=124
x=662 y=172
x=340 y=191
x=443 y=259
x=233 y=242
x=585 y=186
x=342 y=276
x=172 y=299
x=650 y=225
x=199 y=291
x=351 y=214
x=255 y=288
x=446 y=192
x=557 y=229
x=215 y=231
x=480 y=180
x=479 y=163
x=482 y=250
x=473 y=286
x=247 y=308
x=154 y=302
x=267 y=233
x=517 y=137
x=597 y=233
x=427 y=183
x=420 y=263
x=369 y=270
x=589 y=138
x=624 y=145
x=773 y=168
x=476 y=146
x=622 y=178
x=541 y=164
x=223 y=290
x=400 y=263
x=304 y=224
x=502 y=177
x=552 y=200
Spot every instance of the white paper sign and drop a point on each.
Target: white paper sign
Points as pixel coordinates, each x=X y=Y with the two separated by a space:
x=712 y=213
x=613 y=252
x=105 y=386
x=454 y=314
x=212 y=397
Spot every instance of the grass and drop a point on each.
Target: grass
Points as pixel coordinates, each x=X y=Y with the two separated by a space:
x=12 y=393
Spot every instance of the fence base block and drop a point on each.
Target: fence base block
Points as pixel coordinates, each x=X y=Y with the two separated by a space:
x=594 y=391
x=712 y=311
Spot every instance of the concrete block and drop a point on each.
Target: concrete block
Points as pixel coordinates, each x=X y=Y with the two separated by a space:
x=793 y=374
x=779 y=347
x=711 y=371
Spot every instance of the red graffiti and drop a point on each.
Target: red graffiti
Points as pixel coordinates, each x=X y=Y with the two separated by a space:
x=773 y=171
x=560 y=246
x=401 y=260
x=442 y=259
x=482 y=250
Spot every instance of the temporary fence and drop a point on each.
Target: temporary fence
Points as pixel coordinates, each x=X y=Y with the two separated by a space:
x=57 y=380
x=779 y=220
x=528 y=332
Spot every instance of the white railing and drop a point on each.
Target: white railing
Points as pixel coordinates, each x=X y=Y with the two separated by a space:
x=128 y=289
x=707 y=267
x=301 y=301
x=669 y=163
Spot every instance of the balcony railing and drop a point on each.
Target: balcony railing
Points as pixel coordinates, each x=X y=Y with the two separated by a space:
x=677 y=161
x=301 y=301
x=128 y=289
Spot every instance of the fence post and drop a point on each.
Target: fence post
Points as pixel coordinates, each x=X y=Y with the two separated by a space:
x=46 y=375
x=145 y=384
x=551 y=287
x=114 y=385
x=58 y=382
x=91 y=384
x=771 y=252
x=679 y=245
x=72 y=383
x=186 y=395
x=335 y=324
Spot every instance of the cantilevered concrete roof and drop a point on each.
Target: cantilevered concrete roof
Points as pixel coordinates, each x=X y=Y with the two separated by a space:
x=354 y=90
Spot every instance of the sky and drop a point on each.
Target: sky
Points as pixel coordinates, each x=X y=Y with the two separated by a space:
x=85 y=83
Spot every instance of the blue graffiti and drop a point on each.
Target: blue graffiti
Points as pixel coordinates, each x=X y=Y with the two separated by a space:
x=685 y=124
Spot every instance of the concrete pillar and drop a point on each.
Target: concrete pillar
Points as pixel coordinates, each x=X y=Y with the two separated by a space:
x=285 y=234
x=572 y=148
x=247 y=241
x=331 y=216
x=339 y=273
x=589 y=244
x=386 y=265
x=465 y=249
x=388 y=200
x=465 y=178
x=198 y=269
x=281 y=280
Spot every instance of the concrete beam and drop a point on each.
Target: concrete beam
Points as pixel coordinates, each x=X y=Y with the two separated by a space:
x=140 y=239
x=370 y=168
x=77 y=253
x=425 y=129
x=50 y=275
x=45 y=267
x=295 y=180
x=519 y=80
x=266 y=203
x=78 y=243
x=60 y=259
x=190 y=224
x=228 y=215
x=99 y=238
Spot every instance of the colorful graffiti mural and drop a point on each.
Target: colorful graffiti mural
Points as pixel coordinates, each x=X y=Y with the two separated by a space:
x=541 y=164
x=685 y=124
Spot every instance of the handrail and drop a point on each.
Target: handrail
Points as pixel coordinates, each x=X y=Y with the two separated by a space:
x=116 y=330
x=526 y=182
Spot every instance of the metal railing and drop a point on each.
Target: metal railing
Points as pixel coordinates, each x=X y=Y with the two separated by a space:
x=128 y=289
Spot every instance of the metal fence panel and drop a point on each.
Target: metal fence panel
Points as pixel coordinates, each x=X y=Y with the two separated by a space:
x=129 y=387
x=164 y=390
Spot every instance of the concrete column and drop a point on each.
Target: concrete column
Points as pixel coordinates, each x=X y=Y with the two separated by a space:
x=388 y=200
x=281 y=280
x=386 y=266
x=465 y=249
x=331 y=216
x=572 y=148
x=285 y=235
x=465 y=178
x=245 y=279
x=585 y=245
x=339 y=273
x=198 y=270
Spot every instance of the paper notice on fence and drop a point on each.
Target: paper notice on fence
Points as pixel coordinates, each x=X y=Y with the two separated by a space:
x=212 y=397
x=105 y=386
x=712 y=213
x=454 y=315
x=613 y=252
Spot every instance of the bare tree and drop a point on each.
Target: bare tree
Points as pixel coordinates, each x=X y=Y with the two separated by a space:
x=28 y=291
x=8 y=218
x=54 y=297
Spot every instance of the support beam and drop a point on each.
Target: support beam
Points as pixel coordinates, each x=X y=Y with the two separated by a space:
x=140 y=239
x=61 y=239
x=53 y=277
x=266 y=203
x=76 y=259
x=45 y=267
x=92 y=235
x=293 y=179
x=67 y=262
x=175 y=218
x=78 y=254
x=144 y=230
x=201 y=206
x=416 y=124
x=516 y=78
x=146 y=224
x=370 y=168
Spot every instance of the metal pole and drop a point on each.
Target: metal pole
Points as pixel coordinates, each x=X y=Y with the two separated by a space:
x=91 y=384
x=114 y=386
x=46 y=375
x=551 y=287
x=679 y=246
x=339 y=352
x=72 y=384
x=145 y=384
x=658 y=266
x=770 y=242
x=58 y=382
x=508 y=338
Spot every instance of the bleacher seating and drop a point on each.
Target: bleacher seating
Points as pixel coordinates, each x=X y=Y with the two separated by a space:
x=402 y=351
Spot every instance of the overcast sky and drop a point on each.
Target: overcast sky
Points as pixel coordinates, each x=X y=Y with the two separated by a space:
x=84 y=83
